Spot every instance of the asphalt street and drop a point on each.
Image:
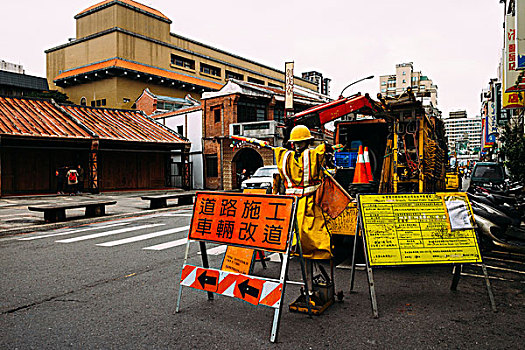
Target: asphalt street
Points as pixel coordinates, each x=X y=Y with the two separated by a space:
x=113 y=285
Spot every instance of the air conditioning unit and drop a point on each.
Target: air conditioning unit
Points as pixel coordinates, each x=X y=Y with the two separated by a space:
x=261 y=129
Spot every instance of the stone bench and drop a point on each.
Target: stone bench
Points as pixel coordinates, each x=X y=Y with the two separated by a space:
x=57 y=212
x=161 y=200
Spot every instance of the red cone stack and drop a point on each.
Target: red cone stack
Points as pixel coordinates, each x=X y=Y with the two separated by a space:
x=368 y=168
x=360 y=171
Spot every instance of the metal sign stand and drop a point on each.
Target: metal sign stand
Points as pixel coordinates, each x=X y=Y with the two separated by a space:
x=371 y=285
x=283 y=277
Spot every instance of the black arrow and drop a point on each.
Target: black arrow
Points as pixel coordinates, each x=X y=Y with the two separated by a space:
x=245 y=288
x=203 y=279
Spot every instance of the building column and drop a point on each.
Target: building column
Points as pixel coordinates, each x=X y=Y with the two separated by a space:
x=93 y=168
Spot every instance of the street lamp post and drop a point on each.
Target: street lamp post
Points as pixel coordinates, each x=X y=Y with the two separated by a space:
x=355 y=82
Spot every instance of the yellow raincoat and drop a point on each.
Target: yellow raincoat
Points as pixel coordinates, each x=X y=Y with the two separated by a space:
x=302 y=177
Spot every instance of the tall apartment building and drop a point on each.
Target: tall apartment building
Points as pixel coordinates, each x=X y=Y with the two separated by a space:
x=123 y=47
x=393 y=85
x=464 y=132
x=323 y=84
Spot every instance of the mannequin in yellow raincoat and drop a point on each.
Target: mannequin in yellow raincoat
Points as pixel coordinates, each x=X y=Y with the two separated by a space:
x=301 y=171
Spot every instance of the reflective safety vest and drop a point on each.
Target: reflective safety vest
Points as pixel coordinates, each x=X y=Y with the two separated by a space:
x=307 y=185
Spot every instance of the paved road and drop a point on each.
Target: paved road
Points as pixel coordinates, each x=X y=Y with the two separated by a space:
x=113 y=284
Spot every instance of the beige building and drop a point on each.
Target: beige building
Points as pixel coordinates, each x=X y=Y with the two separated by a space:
x=395 y=84
x=122 y=47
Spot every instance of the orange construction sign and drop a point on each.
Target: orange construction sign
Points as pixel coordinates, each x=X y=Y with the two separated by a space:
x=248 y=220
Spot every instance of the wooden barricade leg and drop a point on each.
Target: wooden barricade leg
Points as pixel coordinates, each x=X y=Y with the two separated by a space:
x=179 y=296
x=352 y=272
x=456 y=270
x=205 y=264
x=284 y=277
x=371 y=285
x=489 y=288
x=303 y=267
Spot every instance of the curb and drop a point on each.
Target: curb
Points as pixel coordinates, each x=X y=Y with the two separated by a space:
x=81 y=221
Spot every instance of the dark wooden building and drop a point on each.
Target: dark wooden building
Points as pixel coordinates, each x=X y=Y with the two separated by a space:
x=118 y=149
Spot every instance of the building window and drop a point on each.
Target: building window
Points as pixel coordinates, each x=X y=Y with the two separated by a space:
x=232 y=75
x=250 y=112
x=165 y=106
x=383 y=83
x=182 y=62
x=180 y=130
x=212 y=165
x=217 y=115
x=404 y=81
x=278 y=114
x=98 y=103
x=83 y=101
x=274 y=85
x=126 y=100
x=256 y=81
x=211 y=70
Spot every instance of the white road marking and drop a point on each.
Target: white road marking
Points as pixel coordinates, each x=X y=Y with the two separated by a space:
x=178 y=214
x=168 y=245
x=217 y=250
x=275 y=257
x=72 y=231
x=108 y=233
x=143 y=237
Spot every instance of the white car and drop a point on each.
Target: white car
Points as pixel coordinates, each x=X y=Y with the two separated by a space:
x=262 y=178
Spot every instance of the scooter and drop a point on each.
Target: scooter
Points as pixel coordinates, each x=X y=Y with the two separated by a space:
x=499 y=224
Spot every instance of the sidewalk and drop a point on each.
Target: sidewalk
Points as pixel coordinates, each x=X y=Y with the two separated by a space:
x=15 y=218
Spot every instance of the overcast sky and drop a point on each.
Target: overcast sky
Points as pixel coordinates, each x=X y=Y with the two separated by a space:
x=456 y=43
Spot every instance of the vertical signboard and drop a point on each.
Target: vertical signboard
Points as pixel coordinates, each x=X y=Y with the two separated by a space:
x=288 y=71
x=520 y=34
x=512 y=98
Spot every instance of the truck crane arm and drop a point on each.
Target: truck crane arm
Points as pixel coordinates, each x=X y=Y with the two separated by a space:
x=324 y=113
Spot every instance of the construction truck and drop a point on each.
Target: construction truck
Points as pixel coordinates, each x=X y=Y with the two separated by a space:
x=407 y=146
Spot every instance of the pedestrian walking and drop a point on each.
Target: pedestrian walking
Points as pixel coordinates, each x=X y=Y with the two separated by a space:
x=72 y=180
x=60 y=174
x=80 y=178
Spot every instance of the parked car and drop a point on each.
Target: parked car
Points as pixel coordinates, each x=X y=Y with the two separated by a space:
x=262 y=178
x=487 y=173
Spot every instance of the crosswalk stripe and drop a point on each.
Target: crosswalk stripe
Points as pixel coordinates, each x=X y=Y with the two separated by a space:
x=143 y=237
x=167 y=245
x=107 y=233
x=217 y=250
x=72 y=231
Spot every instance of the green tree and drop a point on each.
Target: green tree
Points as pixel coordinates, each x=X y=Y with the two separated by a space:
x=54 y=94
x=514 y=151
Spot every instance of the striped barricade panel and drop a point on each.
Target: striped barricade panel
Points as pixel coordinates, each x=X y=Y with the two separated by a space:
x=248 y=288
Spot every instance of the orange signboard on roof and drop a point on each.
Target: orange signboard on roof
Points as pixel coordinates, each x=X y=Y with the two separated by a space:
x=248 y=220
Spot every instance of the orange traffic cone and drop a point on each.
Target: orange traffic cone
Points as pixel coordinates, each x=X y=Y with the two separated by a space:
x=360 y=171
x=367 y=165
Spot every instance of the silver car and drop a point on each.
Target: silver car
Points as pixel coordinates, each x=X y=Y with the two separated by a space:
x=262 y=178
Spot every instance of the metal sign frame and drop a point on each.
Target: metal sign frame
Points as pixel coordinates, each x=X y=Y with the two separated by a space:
x=360 y=231
x=292 y=236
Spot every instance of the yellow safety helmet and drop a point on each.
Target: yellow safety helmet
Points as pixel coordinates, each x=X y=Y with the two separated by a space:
x=300 y=133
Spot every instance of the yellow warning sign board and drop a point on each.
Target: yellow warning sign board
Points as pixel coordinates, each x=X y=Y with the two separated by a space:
x=237 y=259
x=405 y=229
